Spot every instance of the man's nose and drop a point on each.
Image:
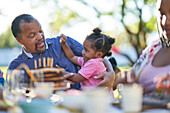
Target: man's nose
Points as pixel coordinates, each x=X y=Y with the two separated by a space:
x=40 y=36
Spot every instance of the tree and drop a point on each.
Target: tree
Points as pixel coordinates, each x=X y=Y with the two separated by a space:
x=135 y=34
x=7 y=40
x=128 y=13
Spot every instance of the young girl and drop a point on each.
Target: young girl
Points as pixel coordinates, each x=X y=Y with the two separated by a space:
x=95 y=47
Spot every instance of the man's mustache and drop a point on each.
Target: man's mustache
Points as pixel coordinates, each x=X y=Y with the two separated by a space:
x=39 y=42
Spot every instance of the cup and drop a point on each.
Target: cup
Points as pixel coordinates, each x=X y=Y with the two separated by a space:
x=97 y=100
x=132 y=96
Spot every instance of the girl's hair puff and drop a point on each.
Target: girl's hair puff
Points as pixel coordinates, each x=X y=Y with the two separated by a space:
x=100 y=41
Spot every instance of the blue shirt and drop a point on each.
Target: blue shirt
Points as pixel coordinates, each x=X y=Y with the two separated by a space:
x=53 y=50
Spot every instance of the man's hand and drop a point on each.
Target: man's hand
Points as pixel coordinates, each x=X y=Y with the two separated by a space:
x=63 y=39
x=108 y=79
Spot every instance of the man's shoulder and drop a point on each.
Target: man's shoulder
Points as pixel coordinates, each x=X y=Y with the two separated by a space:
x=51 y=40
x=15 y=63
x=57 y=38
x=55 y=41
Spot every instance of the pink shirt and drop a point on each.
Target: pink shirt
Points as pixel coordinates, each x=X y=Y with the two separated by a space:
x=149 y=73
x=90 y=69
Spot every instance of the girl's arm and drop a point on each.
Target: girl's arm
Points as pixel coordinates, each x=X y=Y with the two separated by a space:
x=68 y=52
x=73 y=77
x=77 y=78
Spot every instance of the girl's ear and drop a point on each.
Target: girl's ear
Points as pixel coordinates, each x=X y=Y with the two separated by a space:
x=99 y=54
x=19 y=41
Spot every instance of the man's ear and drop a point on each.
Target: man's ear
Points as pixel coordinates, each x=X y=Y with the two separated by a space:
x=19 y=41
x=99 y=54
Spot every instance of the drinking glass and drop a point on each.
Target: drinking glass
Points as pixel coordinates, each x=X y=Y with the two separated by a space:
x=119 y=89
x=12 y=90
x=132 y=95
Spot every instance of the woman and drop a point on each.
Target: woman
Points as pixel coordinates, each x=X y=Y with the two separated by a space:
x=155 y=59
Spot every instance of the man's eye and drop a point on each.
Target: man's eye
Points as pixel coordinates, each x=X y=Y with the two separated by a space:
x=32 y=35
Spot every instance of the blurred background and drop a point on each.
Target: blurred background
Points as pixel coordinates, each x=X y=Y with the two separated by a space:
x=131 y=22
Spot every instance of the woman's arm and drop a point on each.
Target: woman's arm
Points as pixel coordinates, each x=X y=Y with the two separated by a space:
x=108 y=77
x=126 y=77
x=132 y=75
x=67 y=50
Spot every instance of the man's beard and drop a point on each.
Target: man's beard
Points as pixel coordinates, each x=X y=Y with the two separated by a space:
x=40 y=51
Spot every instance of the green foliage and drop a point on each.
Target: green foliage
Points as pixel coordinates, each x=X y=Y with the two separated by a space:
x=151 y=24
x=61 y=18
x=150 y=2
x=133 y=34
x=7 y=40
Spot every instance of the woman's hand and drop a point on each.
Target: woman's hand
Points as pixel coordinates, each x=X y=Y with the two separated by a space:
x=126 y=77
x=163 y=82
x=108 y=79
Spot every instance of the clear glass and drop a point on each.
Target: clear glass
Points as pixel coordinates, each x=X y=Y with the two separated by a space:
x=12 y=88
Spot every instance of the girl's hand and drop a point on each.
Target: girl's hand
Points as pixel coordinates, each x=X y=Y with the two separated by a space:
x=63 y=39
x=163 y=82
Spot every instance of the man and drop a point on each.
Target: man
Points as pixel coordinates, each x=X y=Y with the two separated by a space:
x=27 y=31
